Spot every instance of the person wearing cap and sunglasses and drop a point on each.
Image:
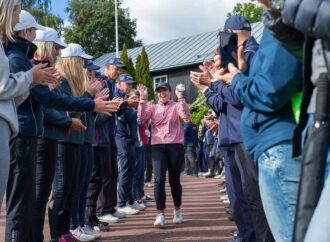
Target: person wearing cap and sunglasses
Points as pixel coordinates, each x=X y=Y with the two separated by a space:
x=167 y=145
x=14 y=88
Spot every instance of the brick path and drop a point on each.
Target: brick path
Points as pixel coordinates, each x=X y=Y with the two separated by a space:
x=204 y=216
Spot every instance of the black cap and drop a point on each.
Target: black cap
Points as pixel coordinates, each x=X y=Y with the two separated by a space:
x=125 y=78
x=90 y=65
x=163 y=85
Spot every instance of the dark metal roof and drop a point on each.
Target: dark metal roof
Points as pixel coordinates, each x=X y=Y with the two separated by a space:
x=181 y=52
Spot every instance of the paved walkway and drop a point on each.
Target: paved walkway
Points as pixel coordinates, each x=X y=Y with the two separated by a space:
x=205 y=217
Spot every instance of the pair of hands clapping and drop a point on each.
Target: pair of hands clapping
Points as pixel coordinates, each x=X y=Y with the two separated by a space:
x=211 y=71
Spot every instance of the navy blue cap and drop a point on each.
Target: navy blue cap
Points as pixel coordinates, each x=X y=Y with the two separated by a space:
x=90 y=65
x=116 y=62
x=237 y=22
x=125 y=78
x=163 y=85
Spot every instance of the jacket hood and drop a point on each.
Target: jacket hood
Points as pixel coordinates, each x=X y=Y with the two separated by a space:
x=23 y=45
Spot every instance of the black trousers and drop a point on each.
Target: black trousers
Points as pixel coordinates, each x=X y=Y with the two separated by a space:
x=21 y=189
x=167 y=157
x=107 y=200
x=100 y=174
x=66 y=176
x=45 y=172
x=250 y=185
x=148 y=165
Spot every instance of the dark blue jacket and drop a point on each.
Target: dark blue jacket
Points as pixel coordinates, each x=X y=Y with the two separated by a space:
x=126 y=122
x=111 y=84
x=190 y=135
x=90 y=131
x=274 y=78
x=227 y=106
x=103 y=123
x=57 y=123
x=30 y=112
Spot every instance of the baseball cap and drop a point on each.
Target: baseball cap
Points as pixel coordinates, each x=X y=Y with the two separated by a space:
x=89 y=64
x=163 y=85
x=75 y=50
x=237 y=22
x=116 y=62
x=50 y=34
x=27 y=21
x=125 y=78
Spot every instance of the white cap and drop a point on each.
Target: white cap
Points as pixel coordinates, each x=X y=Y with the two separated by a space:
x=50 y=34
x=75 y=50
x=27 y=21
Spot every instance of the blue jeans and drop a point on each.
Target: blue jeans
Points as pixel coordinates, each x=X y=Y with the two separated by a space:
x=126 y=159
x=279 y=180
x=318 y=229
x=138 y=178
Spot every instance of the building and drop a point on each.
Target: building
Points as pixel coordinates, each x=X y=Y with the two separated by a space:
x=171 y=61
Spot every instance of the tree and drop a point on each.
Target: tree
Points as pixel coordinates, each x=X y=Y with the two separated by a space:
x=128 y=62
x=40 y=9
x=142 y=72
x=198 y=109
x=93 y=26
x=250 y=11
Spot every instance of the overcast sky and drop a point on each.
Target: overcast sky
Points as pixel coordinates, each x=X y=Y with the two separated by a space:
x=161 y=20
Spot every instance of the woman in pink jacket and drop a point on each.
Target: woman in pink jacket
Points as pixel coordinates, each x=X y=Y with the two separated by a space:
x=167 y=145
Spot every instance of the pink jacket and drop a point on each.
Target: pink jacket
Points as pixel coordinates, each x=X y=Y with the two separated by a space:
x=166 y=127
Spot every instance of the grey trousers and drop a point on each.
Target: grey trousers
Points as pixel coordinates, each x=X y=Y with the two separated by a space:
x=4 y=157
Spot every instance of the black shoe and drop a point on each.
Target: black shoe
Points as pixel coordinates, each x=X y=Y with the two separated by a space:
x=209 y=176
x=101 y=227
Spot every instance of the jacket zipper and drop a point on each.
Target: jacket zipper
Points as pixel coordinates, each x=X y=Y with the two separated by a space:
x=34 y=117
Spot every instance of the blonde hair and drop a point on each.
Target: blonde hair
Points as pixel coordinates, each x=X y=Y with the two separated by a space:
x=72 y=69
x=7 y=8
x=44 y=51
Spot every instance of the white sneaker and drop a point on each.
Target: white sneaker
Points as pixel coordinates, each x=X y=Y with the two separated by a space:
x=160 y=221
x=108 y=218
x=128 y=210
x=89 y=230
x=224 y=197
x=177 y=216
x=80 y=235
x=226 y=201
x=119 y=215
x=223 y=190
x=206 y=174
x=138 y=206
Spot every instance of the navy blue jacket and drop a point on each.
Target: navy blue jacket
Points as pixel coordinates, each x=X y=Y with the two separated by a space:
x=102 y=137
x=90 y=131
x=190 y=135
x=30 y=112
x=274 y=78
x=229 y=109
x=57 y=123
x=111 y=84
x=126 y=122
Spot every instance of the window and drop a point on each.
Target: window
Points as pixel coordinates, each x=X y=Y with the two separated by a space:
x=159 y=79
